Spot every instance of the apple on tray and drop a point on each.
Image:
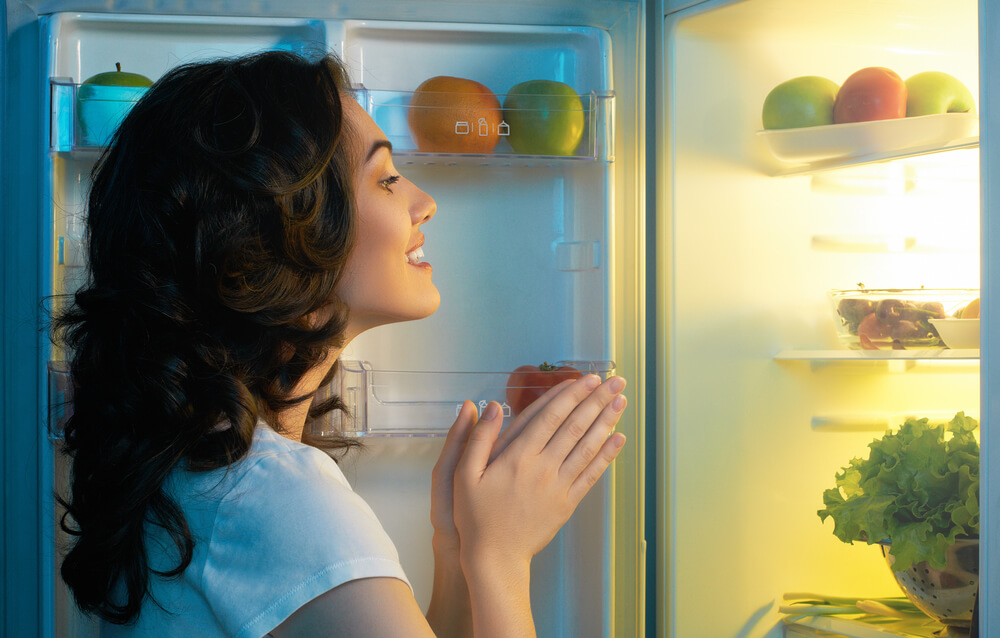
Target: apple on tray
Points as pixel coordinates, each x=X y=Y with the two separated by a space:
x=934 y=92
x=545 y=118
x=870 y=94
x=104 y=99
x=800 y=102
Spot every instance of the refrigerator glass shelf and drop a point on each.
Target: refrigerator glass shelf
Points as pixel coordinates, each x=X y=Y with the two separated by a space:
x=891 y=361
x=417 y=403
x=929 y=354
x=863 y=627
x=816 y=167
x=81 y=127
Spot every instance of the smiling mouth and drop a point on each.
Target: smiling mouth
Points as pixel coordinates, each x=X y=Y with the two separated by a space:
x=415 y=255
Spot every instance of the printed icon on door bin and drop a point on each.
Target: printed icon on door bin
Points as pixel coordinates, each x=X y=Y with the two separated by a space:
x=504 y=408
x=463 y=128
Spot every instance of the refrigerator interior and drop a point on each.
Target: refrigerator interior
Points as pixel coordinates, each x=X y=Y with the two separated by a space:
x=523 y=248
x=763 y=404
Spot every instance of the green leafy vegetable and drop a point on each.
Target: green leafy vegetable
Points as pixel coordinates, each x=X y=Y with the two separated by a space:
x=918 y=489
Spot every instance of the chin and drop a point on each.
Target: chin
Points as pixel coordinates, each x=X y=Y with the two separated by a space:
x=433 y=303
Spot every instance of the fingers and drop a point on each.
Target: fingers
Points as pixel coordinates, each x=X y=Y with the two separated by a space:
x=540 y=427
x=479 y=444
x=454 y=443
x=591 y=443
x=522 y=419
x=589 y=423
x=595 y=469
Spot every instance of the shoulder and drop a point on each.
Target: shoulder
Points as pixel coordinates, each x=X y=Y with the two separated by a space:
x=283 y=483
x=288 y=529
x=274 y=457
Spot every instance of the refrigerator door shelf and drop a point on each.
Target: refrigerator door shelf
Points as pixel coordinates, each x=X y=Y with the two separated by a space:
x=412 y=403
x=82 y=123
x=391 y=111
x=81 y=127
x=60 y=398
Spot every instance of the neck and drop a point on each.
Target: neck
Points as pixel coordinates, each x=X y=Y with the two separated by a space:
x=293 y=420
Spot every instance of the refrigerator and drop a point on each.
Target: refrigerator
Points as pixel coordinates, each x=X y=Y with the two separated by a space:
x=675 y=246
x=760 y=400
x=539 y=258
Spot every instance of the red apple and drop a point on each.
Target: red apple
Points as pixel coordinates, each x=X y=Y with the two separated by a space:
x=873 y=93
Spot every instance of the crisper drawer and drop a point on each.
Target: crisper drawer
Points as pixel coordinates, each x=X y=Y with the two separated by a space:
x=412 y=403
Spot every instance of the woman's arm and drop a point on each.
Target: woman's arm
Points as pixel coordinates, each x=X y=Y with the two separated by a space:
x=364 y=608
x=450 y=610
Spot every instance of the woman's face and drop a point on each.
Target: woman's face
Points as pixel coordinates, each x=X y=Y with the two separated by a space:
x=386 y=279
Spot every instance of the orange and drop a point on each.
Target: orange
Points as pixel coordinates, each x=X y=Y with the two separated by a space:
x=454 y=115
x=972 y=310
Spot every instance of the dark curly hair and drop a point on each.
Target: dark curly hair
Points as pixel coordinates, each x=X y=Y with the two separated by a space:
x=220 y=216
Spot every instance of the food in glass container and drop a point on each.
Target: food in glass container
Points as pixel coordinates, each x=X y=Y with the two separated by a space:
x=895 y=318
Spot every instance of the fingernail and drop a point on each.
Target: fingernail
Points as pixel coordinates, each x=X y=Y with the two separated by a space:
x=618 y=403
x=592 y=381
x=490 y=412
x=617 y=384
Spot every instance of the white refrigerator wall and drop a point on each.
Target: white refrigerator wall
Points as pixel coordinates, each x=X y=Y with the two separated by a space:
x=527 y=255
x=747 y=258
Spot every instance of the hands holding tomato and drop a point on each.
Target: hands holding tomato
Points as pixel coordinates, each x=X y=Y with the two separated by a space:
x=504 y=496
x=528 y=383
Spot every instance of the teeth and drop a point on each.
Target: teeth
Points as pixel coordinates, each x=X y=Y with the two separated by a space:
x=415 y=255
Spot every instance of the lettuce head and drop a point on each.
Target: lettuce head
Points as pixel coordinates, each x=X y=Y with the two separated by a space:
x=918 y=489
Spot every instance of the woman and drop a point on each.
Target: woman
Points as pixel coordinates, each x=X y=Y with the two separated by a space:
x=244 y=225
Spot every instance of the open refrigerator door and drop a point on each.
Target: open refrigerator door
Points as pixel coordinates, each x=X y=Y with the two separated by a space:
x=538 y=253
x=768 y=240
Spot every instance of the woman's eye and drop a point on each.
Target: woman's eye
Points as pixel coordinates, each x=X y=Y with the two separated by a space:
x=388 y=182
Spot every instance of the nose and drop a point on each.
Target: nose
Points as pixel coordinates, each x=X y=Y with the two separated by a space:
x=423 y=207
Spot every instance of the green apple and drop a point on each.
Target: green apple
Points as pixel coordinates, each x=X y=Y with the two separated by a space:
x=103 y=101
x=118 y=78
x=933 y=92
x=800 y=102
x=545 y=118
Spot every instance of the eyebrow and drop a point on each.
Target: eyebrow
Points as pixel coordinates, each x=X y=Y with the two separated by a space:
x=376 y=146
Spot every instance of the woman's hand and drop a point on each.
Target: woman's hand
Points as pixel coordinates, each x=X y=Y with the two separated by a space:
x=513 y=502
x=512 y=494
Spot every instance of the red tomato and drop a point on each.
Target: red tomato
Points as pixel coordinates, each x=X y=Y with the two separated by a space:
x=527 y=383
x=873 y=93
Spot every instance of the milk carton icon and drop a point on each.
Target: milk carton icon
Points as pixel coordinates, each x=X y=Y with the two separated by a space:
x=503 y=129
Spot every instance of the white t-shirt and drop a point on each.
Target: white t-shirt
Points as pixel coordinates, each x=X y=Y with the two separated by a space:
x=277 y=529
